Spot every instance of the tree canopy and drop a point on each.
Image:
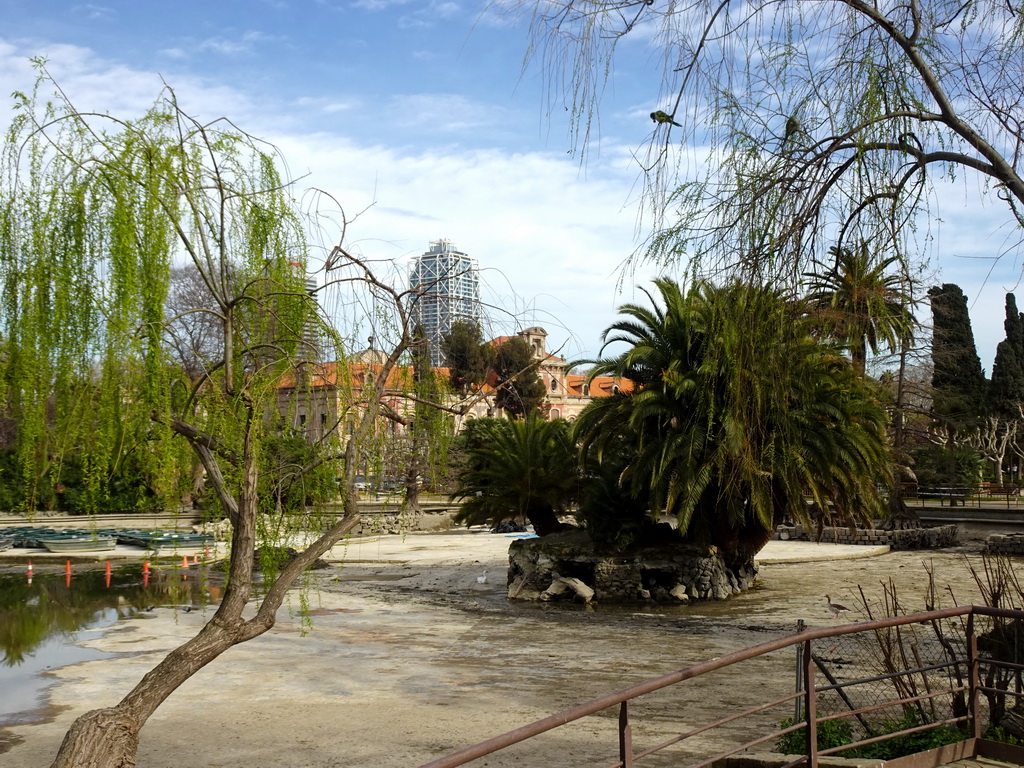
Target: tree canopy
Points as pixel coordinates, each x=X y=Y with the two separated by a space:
x=467 y=355
x=807 y=123
x=860 y=303
x=1006 y=390
x=958 y=381
x=95 y=213
x=735 y=412
x=520 y=390
x=525 y=468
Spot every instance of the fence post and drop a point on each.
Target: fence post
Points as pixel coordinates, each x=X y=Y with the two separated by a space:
x=810 y=706
x=973 y=679
x=625 y=737
x=797 y=702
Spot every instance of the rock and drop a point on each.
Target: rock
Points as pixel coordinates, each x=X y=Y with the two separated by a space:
x=518 y=589
x=558 y=586
x=679 y=593
x=672 y=573
x=509 y=526
x=577 y=586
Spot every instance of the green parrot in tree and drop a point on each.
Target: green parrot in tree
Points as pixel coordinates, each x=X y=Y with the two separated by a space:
x=792 y=128
x=663 y=117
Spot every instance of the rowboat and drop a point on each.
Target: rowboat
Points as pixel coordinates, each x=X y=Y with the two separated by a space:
x=85 y=543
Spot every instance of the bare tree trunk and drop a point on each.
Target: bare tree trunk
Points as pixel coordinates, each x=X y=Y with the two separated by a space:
x=109 y=737
x=901 y=517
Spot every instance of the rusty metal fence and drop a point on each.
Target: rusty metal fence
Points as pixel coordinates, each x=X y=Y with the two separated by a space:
x=957 y=668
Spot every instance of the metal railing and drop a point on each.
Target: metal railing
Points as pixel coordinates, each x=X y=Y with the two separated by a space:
x=1008 y=495
x=958 y=686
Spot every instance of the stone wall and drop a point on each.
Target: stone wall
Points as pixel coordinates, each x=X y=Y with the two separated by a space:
x=1005 y=544
x=565 y=565
x=911 y=538
x=381 y=522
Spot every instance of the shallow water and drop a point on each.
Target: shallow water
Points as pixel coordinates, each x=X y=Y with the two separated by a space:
x=42 y=621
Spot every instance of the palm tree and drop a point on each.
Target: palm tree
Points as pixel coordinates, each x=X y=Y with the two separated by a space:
x=860 y=304
x=735 y=413
x=519 y=469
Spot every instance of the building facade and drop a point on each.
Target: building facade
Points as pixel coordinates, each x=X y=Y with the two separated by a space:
x=331 y=394
x=447 y=282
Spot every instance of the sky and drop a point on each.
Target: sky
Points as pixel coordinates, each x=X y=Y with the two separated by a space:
x=420 y=117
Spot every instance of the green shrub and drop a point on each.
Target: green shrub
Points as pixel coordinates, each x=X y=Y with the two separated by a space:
x=910 y=743
x=831 y=733
x=836 y=733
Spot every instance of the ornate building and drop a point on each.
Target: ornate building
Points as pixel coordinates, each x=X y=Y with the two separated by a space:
x=317 y=404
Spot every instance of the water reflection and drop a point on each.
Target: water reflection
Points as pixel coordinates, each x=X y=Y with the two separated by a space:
x=56 y=605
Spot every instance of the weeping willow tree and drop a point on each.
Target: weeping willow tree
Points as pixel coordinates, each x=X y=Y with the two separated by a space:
x=785 y=127
x=94 y=213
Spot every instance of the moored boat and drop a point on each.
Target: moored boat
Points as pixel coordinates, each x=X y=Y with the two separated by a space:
x=84 y=543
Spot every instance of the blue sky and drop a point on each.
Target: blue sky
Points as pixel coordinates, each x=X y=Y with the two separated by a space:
x=421 y=116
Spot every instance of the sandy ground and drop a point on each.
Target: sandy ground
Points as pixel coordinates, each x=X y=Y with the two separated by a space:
x=408 y=657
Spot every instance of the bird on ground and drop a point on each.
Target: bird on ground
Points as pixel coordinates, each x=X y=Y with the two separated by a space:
x=835 y=608
x=663 y=117
x=482 y=579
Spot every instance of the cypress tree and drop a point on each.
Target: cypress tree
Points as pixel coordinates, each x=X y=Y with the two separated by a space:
x=958 y=380
x=520 y=388
x=1007 y=388
x=467 y=356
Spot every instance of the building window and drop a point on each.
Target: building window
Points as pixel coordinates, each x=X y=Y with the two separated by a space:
x=554 y=385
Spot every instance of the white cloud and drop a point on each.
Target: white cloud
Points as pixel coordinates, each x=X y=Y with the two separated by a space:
x=549 y=242
x=94 y=11
x=548 y=239
x=379 y=5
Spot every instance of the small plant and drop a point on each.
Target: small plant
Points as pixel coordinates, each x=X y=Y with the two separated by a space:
x=837 y=733
x=831 y=733
x=910 y=743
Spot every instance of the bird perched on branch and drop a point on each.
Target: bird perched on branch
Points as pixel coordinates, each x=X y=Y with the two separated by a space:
x=792 y=128
x=835 y=608
x=663 y=117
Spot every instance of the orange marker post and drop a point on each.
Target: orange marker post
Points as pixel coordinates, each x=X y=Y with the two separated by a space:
x=29 y=571
x=145 y=566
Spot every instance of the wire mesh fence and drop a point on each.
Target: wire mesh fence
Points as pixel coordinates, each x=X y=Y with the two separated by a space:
x=885 y=679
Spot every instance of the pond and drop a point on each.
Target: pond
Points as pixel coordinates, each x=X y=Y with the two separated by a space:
x=42 y=615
